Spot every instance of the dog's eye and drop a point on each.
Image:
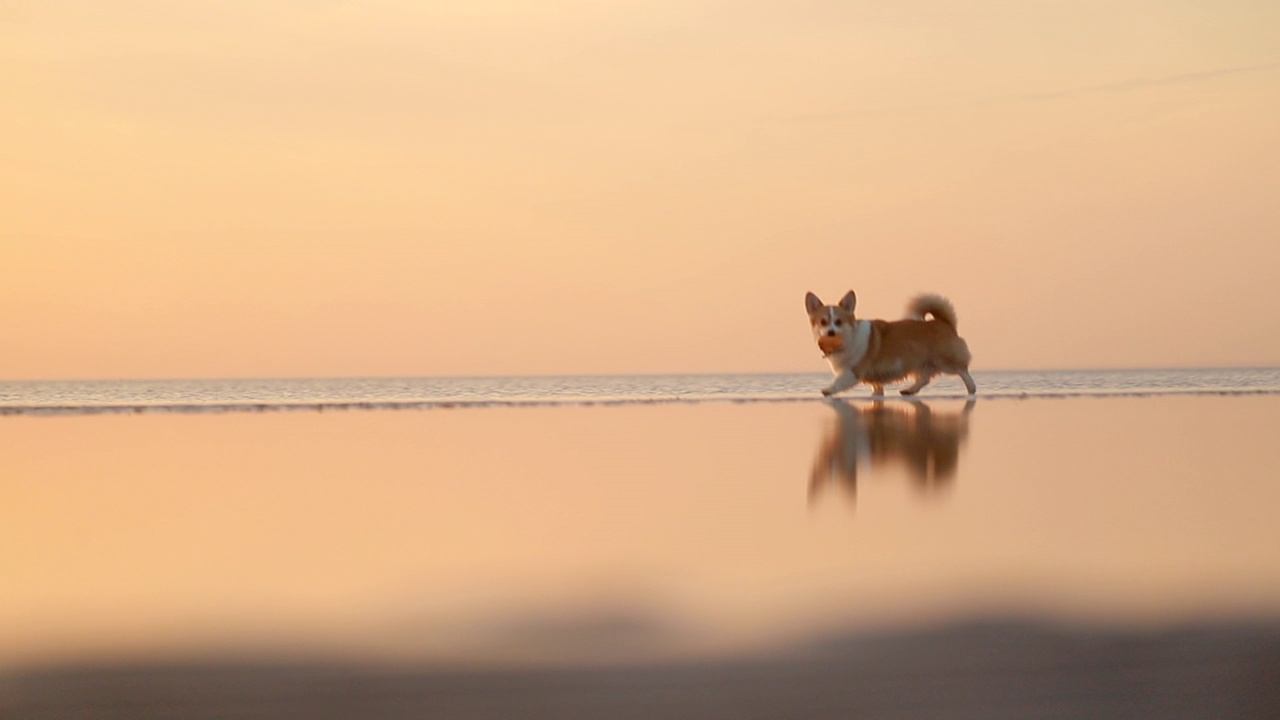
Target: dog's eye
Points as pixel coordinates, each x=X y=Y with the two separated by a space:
x=838 y=322
x=823 y=321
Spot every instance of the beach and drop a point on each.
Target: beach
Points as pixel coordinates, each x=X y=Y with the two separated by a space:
x=465 y=360
x=1110 y=555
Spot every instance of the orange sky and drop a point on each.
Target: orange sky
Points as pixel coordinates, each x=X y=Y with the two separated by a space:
x=599 y=186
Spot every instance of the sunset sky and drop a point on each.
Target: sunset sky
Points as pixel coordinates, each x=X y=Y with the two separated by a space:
x=413 y=187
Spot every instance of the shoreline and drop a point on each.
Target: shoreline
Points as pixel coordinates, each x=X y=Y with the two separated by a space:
x=426 y=393
x=422 y=405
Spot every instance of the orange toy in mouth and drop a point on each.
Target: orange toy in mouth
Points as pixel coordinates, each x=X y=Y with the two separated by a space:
x=831 y=344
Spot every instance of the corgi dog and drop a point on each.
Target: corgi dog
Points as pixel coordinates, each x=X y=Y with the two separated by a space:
x=878 y=352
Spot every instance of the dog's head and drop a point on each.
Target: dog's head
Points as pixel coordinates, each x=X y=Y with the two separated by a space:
x=832 y=324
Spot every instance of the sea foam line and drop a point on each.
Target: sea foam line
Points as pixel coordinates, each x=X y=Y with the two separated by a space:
x=481 y=403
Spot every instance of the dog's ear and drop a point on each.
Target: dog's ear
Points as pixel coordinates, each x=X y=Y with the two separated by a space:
x=812 y=304
x=848 y=301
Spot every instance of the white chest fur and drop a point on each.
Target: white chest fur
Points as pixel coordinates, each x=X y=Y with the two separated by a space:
x=855 y=348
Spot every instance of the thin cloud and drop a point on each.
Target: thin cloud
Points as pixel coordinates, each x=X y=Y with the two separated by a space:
x=1136 y=84
x=1130 y=85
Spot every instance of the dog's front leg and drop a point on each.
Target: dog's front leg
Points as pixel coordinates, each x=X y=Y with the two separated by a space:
x=843 y=381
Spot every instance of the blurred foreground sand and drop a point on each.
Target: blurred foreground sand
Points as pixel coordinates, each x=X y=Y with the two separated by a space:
x=991 y=670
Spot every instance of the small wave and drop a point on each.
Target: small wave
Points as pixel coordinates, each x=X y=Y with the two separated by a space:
x=469 y=404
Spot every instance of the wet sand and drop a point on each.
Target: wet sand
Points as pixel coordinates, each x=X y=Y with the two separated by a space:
x=1108 y=556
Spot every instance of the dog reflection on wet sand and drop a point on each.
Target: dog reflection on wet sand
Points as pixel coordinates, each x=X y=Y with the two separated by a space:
x=875 y=436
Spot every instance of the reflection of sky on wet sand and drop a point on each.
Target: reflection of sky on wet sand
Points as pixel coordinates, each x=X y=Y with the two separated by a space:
x=525 y=533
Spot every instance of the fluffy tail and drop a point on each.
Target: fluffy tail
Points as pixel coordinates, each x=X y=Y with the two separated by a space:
x=939 y=307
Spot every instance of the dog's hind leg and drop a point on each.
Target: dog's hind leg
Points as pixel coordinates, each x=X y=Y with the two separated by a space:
x=922 y=378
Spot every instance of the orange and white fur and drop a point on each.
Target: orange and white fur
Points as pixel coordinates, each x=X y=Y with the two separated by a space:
x=879 y=352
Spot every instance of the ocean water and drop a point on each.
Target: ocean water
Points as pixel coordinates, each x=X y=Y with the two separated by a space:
x=318 y=394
